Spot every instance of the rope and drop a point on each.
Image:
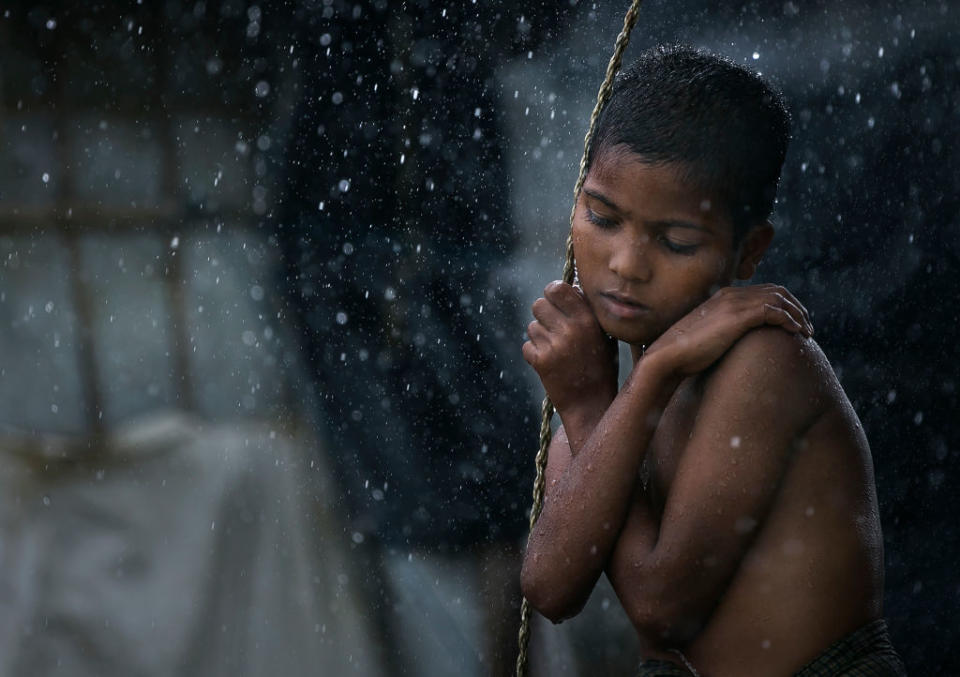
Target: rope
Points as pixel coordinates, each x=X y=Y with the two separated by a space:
x=629 y=21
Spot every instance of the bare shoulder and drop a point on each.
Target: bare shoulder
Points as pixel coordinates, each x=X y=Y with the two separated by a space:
x=774 y=371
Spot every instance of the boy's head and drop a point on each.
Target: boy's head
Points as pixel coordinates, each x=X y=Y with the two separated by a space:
x=683 y=170
x=719 y=121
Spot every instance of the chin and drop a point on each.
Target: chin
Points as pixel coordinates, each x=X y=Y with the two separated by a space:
x=634 y=335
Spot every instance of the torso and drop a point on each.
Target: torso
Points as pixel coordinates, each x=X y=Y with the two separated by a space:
x=802 y=584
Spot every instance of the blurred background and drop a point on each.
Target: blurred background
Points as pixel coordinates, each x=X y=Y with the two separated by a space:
x=264 y=276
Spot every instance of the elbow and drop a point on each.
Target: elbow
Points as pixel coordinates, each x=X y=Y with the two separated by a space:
x=660 y=615
x=548 y=595
x=664 y=630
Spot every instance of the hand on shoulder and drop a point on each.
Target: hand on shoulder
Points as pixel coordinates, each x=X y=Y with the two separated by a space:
x=703 y=335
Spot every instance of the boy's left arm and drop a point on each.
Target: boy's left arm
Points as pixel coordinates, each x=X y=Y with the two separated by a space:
x=756 y=403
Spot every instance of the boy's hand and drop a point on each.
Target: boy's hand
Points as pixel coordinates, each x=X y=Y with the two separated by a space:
x=575 y=359
x=702 y=336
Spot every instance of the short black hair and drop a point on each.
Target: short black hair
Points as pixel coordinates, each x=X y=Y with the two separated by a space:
x=725 y=126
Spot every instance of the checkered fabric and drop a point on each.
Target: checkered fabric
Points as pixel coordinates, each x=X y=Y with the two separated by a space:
x=654 y=668
x=866 y=652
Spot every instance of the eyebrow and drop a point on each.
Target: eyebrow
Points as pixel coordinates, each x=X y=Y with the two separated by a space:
x=602 y=198
x=669 y=223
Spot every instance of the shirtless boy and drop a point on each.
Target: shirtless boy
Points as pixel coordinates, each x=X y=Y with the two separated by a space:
x=727 y=488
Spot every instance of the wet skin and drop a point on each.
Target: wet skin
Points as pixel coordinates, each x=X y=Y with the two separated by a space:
x=727 y=489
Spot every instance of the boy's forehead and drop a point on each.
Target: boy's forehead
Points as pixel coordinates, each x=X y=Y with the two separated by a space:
x=611 y=164
x=625 y=177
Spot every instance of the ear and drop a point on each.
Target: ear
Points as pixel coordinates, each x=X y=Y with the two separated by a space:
x=752 y=249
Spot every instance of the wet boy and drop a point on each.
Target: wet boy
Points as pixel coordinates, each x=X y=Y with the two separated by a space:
x=727 y=488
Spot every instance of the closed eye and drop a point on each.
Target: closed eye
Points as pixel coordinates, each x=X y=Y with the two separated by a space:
x=598 y=220
x=678 y=248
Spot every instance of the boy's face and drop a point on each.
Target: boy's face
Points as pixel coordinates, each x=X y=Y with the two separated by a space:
x=648 y=247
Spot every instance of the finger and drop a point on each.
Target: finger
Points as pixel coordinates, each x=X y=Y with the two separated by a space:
x=529 y=351
x=537 y=333
x=783 y=291
x=786 y=303
x=786 y=294
x=773 y=295
x=566 y=298
x=777 y=316
x=547 y=313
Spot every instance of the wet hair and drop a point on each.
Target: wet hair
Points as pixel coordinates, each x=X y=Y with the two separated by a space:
x=724 y=126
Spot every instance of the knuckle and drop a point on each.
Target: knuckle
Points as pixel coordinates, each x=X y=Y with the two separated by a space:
x=553 y=288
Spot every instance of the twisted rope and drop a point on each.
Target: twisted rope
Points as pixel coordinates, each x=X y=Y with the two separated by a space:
x=547 y=410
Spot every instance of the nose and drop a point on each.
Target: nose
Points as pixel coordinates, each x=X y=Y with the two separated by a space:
x=630 y=258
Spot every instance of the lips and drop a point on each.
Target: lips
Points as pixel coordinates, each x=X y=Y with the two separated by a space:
x=622 y=306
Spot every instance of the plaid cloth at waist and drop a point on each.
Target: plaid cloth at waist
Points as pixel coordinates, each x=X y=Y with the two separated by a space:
x=866 y=652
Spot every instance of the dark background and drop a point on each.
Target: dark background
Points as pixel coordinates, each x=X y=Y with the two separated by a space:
x=410 y=163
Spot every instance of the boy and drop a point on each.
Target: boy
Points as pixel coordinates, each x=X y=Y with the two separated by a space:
x=727 y=488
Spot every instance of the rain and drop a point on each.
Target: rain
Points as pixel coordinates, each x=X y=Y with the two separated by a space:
x=265 y=274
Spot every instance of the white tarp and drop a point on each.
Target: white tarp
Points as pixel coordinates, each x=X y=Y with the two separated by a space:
x=179 y=548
